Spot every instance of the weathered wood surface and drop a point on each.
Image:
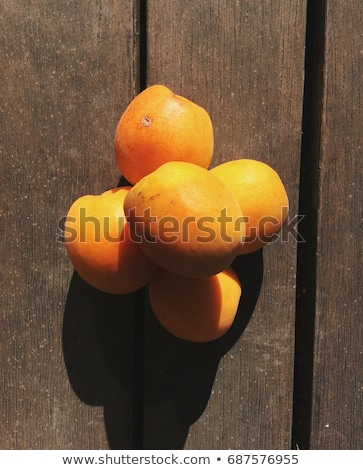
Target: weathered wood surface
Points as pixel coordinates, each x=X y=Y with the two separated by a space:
x=337 y=400
x=85 y=370
x=68 y=69
x=244 y=62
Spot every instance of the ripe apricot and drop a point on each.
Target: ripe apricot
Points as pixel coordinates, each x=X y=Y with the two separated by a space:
x=186 y=219
x=198 y=310
x=262 y=198
x=159 y=126
x=99 y=245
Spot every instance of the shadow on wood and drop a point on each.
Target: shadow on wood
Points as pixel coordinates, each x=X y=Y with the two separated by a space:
x=98 y=352
x=148 y=404
x=179 y=375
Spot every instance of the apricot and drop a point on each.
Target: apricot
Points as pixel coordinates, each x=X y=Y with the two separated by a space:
x=262 y=198
x=186 y=220
x=99 y=245
x=159 y=126
x=197 y=310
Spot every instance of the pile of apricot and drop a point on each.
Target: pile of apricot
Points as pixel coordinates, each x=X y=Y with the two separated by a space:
x=178 y=224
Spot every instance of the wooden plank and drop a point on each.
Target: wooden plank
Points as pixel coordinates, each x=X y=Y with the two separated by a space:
x=337 y=406
x=68 y=69
x=242 y=61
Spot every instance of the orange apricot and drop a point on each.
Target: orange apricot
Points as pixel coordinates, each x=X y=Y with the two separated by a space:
x=99 y=245
x=159 y=126
x=262 y=198
x=197 y=310
x=186 y=220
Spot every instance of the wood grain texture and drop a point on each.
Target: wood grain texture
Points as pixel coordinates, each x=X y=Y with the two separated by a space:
x=67 y=70
x=84 y=370
x=244 y=62
x=338 y=353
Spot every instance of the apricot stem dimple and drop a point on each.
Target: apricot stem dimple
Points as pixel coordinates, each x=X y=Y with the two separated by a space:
x=146 y=121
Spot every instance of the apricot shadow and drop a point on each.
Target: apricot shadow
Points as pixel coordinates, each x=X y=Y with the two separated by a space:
x=179 y=375
x=98 y=355
x=123 y=182
x=152 y=386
